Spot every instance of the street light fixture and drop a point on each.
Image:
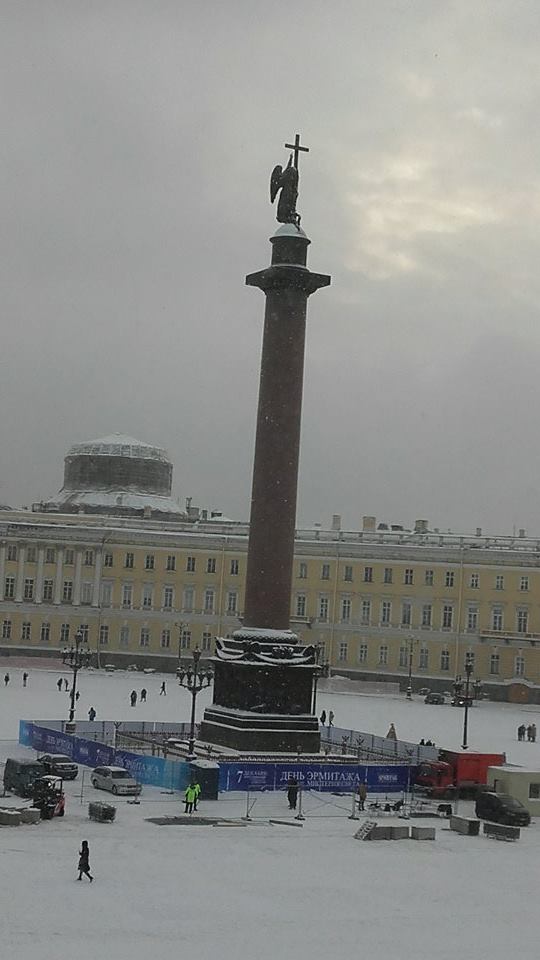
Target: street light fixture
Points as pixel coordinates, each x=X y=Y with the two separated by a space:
x=79 y=656
x=412 y=641
x=193 y=679
x=468 y=671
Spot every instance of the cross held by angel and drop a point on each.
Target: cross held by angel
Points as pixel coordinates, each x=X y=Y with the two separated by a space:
x=286 y=180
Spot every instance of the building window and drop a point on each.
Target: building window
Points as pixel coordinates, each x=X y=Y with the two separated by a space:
x=67 y=591
x=188 y=599
x=103 y=635
x=211 y=565
x=11 y=551
x=208 y=601
x=519 y=666
x=30 y=554
x=302 y=571
x=325 y=571
x=449 y=578
x=232 y=601
x=408 y=577
x=124 y=636
x=423 y=658
x=171 y=562
x=64 y=633
x=48 y=586
x=9 y=588
x=445 y=659
x=87 y=592
x=428 y=578
x=69 y=557
x=147 y=596
x=50 y=555
x=472 y=619
x=127 y=594
x=28 y=588
x=107 y=560
x=388 y=574
x=474 y=582
x=494 y=664
x=403 y=657
x=348 y=573
x=130 y=561
x=45 y=633
x=362 y=653
x=406 y=613
x=149 y=561
x=383 y=655
x=343 y=650
x=523 y=583
x=185 y=640
x=235 y=566
x=206 y=640
x=168 y=598
x=84 y=632
x=106 y=593
x=497 y=618
x=26 y=632
x=427 y=613
x=145 y=637
x=6 y=630
x=190 y=564
x=368 y=574
x=346 y=609
x=323 y=608
x=534 y=791
x=301 y=605
x=89 y=558
x=447 y=616
x=165 y=638
x=522 y=623
x=499 y=582
x=386 y=612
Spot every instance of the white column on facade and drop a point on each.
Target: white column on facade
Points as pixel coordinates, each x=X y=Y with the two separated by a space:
x=58 y=580
x=2 y=568
x=77 y=583
x=96 y=598
x=39 y=575
x=19 y=587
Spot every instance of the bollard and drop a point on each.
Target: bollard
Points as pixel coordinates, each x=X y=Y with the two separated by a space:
x=247 y=816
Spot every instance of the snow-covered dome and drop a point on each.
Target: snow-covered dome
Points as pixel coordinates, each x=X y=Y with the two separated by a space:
x=117 y=475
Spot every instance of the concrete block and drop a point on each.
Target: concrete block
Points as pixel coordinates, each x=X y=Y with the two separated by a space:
x=399 y=833
x=501 y=831
x=10 y=818
x=422 y=833
x=29 y=815
x=468 y=826
x=380 y=833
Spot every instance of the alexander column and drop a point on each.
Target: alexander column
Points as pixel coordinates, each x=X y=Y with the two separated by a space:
x=263 y=677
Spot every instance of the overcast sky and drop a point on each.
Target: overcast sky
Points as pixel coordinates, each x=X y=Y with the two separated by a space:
x=137 y=140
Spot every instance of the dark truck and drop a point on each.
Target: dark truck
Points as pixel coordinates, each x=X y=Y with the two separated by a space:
x=456 y=774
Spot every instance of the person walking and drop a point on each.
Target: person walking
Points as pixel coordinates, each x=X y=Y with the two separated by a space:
x=163 y=690
x=190 y=797
x=143 y=695
x=84 y=861
x=66 y=684
x=331 y=718
x=362 y=795
x=197 y=788
x=323 y=718
x=521 y=732
x=59 y=685
x=24 y=679
x=133 y=698
x=292 y=792
x=91 y=714
x=6 y=679
x=533 y=732
x=529 y=736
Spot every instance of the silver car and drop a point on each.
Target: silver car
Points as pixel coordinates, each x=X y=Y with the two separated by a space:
x=116 y=780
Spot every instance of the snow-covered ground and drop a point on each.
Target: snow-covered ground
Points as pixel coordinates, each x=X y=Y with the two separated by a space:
x=261 y=891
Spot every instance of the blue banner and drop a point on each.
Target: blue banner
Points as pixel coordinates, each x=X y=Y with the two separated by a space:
x=323 y=777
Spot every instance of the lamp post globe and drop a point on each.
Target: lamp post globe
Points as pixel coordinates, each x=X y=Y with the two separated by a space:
x=194 y=679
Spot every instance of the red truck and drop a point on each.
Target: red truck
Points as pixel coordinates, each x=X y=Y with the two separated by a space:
x=456 y=773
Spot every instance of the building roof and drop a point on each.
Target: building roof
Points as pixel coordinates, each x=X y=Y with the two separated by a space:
x=118 y=445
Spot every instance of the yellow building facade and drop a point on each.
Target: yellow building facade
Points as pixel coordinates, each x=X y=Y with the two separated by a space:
x=149 y=591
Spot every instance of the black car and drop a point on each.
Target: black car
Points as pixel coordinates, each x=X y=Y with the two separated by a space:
x=502 y=808
x=437 y=698
x=59 y=765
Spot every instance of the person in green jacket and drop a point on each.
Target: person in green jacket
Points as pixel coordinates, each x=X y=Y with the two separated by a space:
x=191 y=797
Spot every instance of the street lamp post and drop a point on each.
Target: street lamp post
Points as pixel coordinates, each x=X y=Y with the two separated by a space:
x=181 y=628
x=468 y=671
x=320 y=671
x=409 y=682
x=78 y=657
x=193 y=679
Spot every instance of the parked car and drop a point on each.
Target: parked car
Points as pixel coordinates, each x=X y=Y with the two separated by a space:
x=424 y=691
x=502 y=808
x=435 y=698
x=59 y=765
x=116 y=780
x=19 y=775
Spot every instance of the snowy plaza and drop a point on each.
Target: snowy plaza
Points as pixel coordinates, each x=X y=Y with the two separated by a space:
x=262 y=890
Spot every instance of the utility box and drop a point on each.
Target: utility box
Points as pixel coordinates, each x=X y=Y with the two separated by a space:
x=207 y=774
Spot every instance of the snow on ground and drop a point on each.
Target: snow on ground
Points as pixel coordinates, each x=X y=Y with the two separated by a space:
x=260 y=891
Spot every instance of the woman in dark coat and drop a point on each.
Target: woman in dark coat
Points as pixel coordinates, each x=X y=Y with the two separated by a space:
x=84 y=861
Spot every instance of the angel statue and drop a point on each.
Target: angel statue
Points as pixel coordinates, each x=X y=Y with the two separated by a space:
x=285 y=180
